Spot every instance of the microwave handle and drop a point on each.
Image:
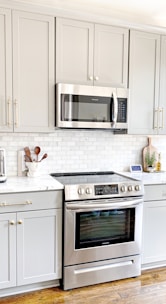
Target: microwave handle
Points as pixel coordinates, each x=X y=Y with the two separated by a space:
x=115 y=109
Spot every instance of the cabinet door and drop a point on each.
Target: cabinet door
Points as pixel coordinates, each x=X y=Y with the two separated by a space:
x=6 y=120
x=74 y=51
x=143 y=82
x=33 y=72
x=7 y=250
x=154 y=227
x=111 y=56
x=38 y=246
x=162 y=103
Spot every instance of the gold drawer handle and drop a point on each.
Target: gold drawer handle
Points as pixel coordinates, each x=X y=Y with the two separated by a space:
x=5 y=204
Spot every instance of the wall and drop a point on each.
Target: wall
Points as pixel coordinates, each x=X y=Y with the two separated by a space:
x=71 y=150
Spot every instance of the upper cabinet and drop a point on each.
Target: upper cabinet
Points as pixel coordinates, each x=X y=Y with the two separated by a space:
x=33 y=72
x=74 y=51
x=91 y=54
x=162 y=92
x=110 y=56
x=29 y=105
x=147 y=81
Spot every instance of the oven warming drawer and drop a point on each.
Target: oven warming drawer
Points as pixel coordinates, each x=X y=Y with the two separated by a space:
x=100 y=272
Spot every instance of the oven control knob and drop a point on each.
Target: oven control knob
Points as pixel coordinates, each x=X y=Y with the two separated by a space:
x=88 y=191
x=123 y=188
x=137 y=188
x=81 y=191
x=130 y=188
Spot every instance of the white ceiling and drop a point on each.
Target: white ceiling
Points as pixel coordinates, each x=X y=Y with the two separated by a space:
x=150 y=12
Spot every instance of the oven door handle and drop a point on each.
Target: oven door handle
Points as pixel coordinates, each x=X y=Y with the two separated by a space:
x=100 y=205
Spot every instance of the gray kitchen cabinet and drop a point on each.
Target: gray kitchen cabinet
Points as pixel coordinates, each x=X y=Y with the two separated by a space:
x=147 y=81
x=74 y=51
x=33 y=72
x=8 y=250
x=154 y=227
x=144 y=68
x=31 y=226
x=27 y=87
x=6 y=111
x=38 y=258
x=91 y=54
x=162 y=93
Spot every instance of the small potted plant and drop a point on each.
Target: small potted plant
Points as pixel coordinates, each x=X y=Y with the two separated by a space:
x=150 y=160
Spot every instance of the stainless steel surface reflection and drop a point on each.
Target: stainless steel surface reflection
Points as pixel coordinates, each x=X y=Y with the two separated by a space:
x=102 y=228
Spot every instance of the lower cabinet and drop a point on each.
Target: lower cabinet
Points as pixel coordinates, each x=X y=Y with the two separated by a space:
x=8 y=250
x=30 y=243
x=154 y=227
x=37 y=255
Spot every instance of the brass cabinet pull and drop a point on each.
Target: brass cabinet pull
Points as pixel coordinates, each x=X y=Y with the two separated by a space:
x=156 y=119
x=5 y=204
x=161 y=114
x=20 y=222
x=9 y=122
x=16 y=120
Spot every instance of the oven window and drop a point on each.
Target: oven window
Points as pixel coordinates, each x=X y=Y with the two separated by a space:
x=98 y=228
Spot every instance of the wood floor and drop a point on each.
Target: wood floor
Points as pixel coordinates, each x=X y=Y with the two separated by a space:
x=149 y=288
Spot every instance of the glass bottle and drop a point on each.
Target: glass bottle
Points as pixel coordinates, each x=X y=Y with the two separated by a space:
x=158 y=164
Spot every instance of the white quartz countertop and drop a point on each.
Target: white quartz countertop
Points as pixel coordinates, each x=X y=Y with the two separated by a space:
x=27 y=184
x=47 y=182
x=155 y=178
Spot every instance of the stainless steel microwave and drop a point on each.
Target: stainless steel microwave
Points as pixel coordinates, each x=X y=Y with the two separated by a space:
x=91 y=107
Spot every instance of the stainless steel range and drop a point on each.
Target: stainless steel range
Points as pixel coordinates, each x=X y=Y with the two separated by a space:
x=102 y=227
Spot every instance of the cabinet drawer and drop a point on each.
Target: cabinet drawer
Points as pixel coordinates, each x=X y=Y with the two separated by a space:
x=155 y=192
x=30 y=201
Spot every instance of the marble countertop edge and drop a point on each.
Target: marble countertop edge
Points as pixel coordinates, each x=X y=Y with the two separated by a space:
x=15 y=184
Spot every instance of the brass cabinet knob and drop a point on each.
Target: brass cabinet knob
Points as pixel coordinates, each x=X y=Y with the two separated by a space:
x=20 y=222
x=12 y=222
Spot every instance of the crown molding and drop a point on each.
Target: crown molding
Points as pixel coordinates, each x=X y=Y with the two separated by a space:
x=117 y=20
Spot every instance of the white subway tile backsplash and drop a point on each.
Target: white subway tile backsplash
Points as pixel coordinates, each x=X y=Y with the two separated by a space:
x=81 y=150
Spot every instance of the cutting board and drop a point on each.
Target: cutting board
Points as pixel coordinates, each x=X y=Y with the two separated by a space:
x=152 y=151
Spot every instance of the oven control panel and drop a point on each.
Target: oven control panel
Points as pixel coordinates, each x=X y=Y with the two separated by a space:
x=90 y=191
x=106 y=189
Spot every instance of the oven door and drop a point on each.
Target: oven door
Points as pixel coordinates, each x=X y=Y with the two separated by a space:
x=102 y=229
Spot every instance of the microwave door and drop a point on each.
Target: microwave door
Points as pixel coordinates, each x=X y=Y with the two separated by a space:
x=114 y=110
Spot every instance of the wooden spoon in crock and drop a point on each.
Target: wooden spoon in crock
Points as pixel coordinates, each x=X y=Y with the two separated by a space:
x=37 y=151
x=44 y=156
x=28 y=153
